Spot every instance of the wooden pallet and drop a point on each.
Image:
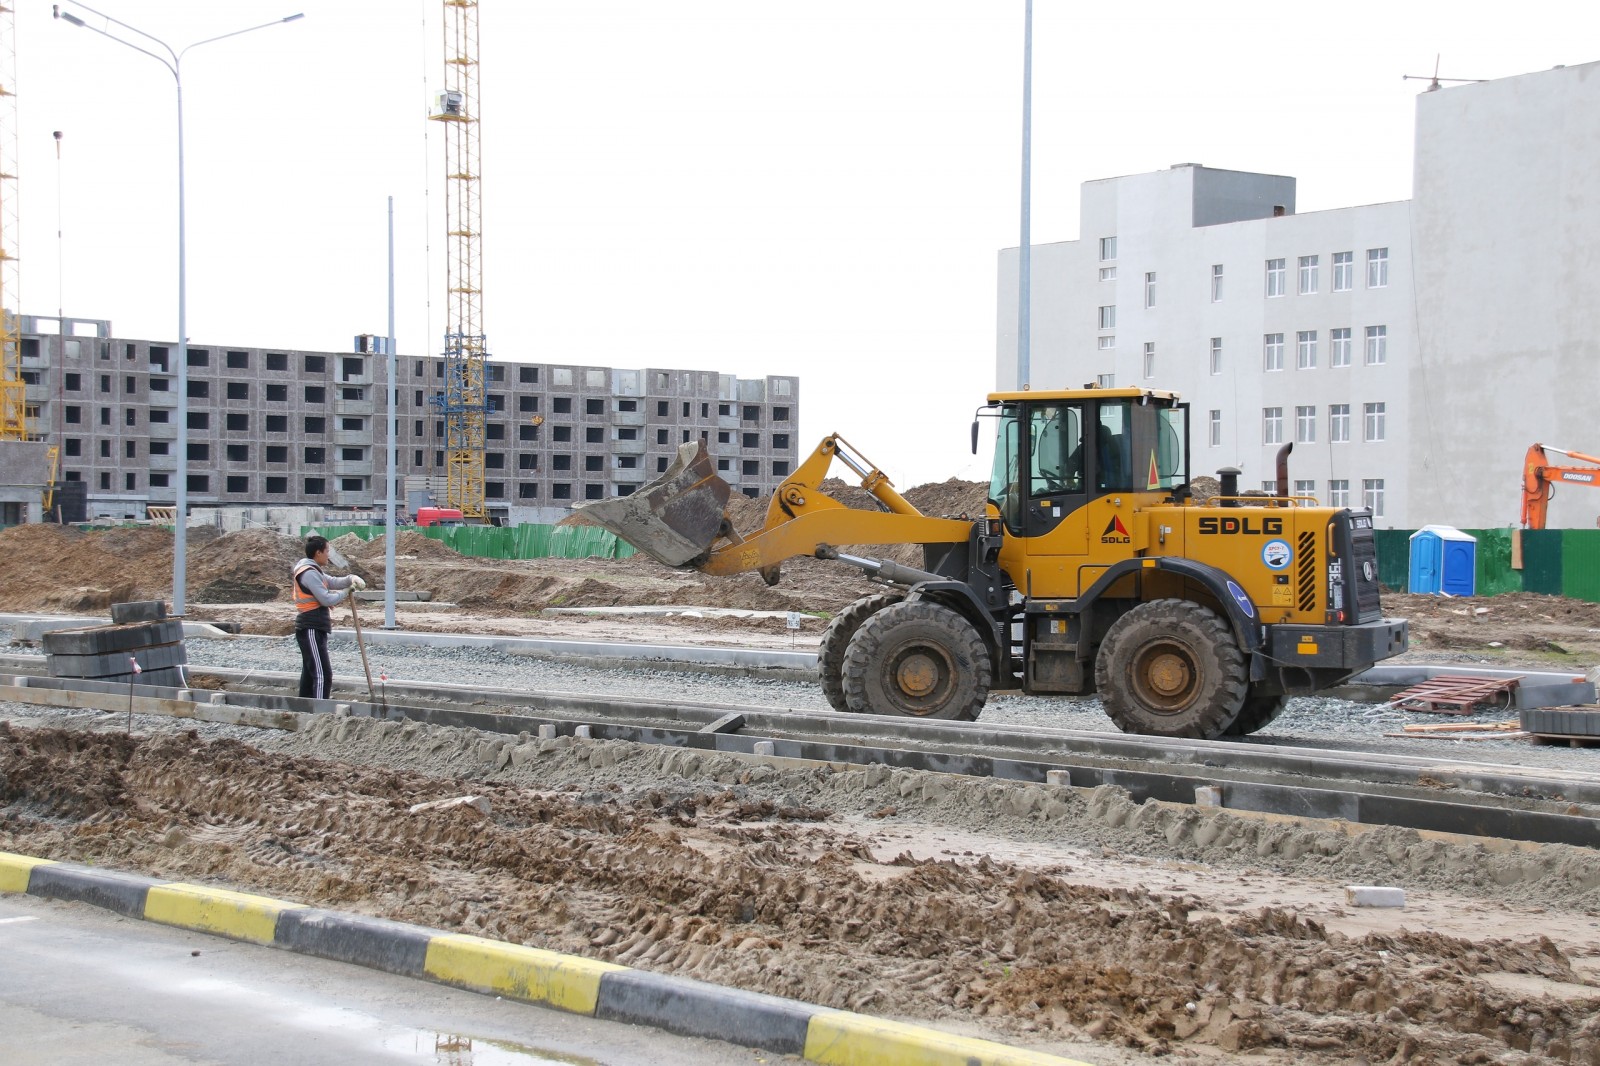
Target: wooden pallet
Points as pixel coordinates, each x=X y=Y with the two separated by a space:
x=1456 y=694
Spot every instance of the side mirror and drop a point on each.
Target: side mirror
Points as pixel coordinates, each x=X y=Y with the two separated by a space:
x=974 y=436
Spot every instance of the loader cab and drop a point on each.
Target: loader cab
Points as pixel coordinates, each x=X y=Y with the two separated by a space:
x=1055 y=451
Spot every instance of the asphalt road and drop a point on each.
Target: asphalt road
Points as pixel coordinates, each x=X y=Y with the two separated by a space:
x=80 y=985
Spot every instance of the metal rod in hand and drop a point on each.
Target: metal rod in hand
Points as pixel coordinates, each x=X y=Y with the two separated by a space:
x=356 y=618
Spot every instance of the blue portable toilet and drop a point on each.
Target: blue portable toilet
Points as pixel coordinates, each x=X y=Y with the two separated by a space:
x=1443 y=559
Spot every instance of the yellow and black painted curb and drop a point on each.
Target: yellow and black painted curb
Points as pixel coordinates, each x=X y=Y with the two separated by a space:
x=566 y=982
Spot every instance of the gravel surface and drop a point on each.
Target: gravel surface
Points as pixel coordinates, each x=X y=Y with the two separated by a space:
x=1311 y=722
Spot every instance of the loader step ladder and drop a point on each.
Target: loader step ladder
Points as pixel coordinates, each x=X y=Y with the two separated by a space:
x=1457 y=694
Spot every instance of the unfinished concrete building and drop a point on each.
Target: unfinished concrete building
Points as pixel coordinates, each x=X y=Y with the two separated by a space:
x=276 y=428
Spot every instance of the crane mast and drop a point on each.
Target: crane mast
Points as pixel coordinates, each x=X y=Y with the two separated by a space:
x=13 y=389
x=463 y=402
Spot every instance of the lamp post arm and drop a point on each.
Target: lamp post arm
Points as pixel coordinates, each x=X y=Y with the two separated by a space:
x=171 y=64
x=235 y=33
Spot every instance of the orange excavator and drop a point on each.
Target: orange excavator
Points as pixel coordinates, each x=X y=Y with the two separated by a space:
x=1539 y=478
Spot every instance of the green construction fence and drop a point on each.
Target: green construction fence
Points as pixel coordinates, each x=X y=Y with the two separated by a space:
x=528 y=541
x=1555 y=562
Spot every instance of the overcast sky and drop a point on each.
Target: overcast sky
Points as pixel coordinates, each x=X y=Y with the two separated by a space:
x=816 y=188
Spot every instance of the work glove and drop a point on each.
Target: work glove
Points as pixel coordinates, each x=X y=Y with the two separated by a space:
x=356 y=583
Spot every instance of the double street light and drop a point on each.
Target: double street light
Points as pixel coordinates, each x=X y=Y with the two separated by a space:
x=173 y=61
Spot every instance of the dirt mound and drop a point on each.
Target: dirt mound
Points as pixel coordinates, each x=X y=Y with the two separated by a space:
x=705 y=866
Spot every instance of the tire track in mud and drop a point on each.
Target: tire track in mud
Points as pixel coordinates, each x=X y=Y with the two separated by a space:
x=733 y=872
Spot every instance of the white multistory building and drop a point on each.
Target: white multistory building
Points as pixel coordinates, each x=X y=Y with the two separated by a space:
x=1410 y=351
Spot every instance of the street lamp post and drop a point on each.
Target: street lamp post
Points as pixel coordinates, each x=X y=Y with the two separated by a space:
x=173 y=61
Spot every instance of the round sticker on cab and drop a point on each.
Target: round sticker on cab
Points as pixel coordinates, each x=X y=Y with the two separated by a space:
x=1276 y=554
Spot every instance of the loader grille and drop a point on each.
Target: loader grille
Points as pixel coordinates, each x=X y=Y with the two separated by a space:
x=1363 y=571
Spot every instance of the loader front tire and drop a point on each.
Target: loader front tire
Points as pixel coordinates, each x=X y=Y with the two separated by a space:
x=917 y=659
x=1257 y=713
x=836 y=638
x=1171 y=668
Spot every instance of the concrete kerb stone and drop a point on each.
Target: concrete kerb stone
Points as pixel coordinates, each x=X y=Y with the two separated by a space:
x=567 y=982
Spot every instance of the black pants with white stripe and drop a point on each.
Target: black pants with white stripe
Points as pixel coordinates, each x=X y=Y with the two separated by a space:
x=316 y=672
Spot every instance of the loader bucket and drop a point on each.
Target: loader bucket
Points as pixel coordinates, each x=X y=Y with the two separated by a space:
x=675 y=518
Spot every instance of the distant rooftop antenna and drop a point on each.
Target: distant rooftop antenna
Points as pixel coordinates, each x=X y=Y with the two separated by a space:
x=1434 y=81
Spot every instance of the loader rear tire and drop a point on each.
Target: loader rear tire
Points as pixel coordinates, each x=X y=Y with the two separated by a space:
x=1257 y=713
x=1171 y=668
x=836 y=638
x=917 y=659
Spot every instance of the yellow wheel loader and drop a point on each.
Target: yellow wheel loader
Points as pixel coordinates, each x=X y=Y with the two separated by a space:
x=1092 y=569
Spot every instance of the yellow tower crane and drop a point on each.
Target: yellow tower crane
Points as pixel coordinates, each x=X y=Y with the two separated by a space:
x=463 y=402
x=15 y=418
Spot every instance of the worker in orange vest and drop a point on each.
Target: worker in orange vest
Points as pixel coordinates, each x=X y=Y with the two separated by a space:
x=314 y=593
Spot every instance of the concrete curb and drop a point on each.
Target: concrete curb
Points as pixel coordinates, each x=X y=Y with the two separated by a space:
x=565 y=982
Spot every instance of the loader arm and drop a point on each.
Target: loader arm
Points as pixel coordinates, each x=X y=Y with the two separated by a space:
x=680 y=519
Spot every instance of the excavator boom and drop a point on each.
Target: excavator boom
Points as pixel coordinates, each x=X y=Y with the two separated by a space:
x=1539 y=477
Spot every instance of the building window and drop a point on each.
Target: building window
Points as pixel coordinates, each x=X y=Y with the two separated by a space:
x=277 y=453
x=1306 y=349
x=1108 y=316
x=529 y=404
x=316 y=394
x=316 y=364
x=237 y=453
x=1149 y=359
x=199 y=420
x=275 y=423
x=780 y=414
x=594 y=492
x=561 y=405
x=105 y=480
x=1105 y=381
x=1108 y=249
x=1339 y=347
x=1216 y=282
x=561 y=433
x=315 y=456
x=1372 y=495
x=199 y=357
x=316 y=424
x=527 y=490
x=593 y=406
x=1374 y=421
x=1272 y=425
x=199 y=483
x=750 y=440
x=1108 y=273
x=277 y=486
x=1339 y=493
x=1377 y=268
x=238 y=423
x=238 y=390
x=1308 y=275
x=131 y=417
x=1216 y=356
x=1107 y=341
x=105 y=448
x=316 y=486
x=74 y=446
x=1277 y=277
x=130 y=482
x=1339 y=423
x=157 y=481
x=1215 y=430
x=1272 y=349
x=277 y=361
x=561 y=490
x=528 y=375
x=561 y=462
x=594 y=435
x=277 y=393
x=1377 y=345
x=1150 y=289
x=1344 y=271
x=72 y=383
x=1305 y=425
x=238 y=483
x=594 y=462
x=238 y=360
x=1306 y=488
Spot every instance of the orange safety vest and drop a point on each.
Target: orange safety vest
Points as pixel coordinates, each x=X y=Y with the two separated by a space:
x=303 y=600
